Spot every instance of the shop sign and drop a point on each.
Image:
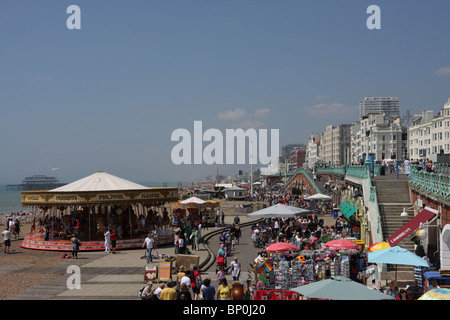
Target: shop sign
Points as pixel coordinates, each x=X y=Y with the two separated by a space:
x=411 y=226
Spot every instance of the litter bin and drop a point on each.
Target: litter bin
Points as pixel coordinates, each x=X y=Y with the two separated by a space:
x=382 y=170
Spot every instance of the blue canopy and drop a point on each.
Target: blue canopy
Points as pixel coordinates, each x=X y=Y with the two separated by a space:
x=396 y=255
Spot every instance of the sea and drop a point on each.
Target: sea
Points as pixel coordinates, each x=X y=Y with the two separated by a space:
x=10 y=200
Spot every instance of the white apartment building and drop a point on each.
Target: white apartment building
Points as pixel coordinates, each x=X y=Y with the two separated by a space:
x=390 y=106
x=312 y=150
x=419 y=136
x=379 y=135
x=429 y=135
x=335 y=145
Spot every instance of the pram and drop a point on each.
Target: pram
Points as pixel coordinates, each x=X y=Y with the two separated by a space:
x=257 y=243
x=221 y=262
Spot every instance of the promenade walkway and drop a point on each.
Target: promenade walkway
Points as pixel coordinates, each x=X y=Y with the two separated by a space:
x=111 y=276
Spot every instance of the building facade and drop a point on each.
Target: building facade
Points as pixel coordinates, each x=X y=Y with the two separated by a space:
x=429 y=135
x=335 y=145
x=380 y=136
x=390 y=106
x=312 y=150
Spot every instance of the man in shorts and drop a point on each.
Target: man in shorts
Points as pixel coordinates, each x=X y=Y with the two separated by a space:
x=7 y=237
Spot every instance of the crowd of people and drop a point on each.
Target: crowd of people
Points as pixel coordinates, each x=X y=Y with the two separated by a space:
x=189 y=285
x=303 y=232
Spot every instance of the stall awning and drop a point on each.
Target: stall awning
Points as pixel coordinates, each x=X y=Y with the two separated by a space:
x=412 y=225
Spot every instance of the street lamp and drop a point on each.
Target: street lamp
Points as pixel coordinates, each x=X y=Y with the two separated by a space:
x=404 y=213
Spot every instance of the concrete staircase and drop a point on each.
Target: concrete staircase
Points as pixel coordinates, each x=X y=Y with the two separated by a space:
x=393 y=196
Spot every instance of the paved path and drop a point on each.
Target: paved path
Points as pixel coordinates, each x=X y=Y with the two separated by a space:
x=111 y=276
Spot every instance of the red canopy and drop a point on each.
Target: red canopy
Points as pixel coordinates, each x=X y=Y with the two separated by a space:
x=340 y=244
x=281 y=247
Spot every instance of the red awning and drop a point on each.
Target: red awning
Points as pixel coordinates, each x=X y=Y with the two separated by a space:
x=412 y=225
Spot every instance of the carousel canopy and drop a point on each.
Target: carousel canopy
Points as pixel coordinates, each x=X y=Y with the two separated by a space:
x=100 y=181
x=100 y=188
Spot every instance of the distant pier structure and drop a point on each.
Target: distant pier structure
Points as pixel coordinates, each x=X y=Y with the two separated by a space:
x=36 y=182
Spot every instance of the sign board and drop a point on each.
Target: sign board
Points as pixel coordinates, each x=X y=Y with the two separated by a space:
x=187 y=261
x=150 y=273
x=165 y=271
x=411 y=226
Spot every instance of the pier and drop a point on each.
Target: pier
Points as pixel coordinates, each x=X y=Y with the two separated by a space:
x=36 y=182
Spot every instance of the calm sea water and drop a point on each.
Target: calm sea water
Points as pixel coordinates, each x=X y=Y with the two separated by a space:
x=10 y=199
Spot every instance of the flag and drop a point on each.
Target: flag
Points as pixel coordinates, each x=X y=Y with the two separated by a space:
x=267 y=266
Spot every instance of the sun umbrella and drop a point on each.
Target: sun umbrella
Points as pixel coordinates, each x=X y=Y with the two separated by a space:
x=193 y=202
x=278 y=211
x=319 y=196
x=339 y=288
x=396 y=255
x=378 y=246
x=341 y=244
x=281 y=247
x=436 y=294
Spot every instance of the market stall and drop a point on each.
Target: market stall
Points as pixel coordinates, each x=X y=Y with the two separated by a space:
x=282 y=267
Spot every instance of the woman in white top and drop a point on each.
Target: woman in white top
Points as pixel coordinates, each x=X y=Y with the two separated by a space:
x=235 y=269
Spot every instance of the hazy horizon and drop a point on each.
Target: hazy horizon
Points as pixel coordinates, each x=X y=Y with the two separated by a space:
x=108 y=96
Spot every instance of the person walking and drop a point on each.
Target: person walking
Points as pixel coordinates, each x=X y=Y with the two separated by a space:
x=207 y=290
x=17 y=228
x=235 y=266
x=196 y=282
x=185 y=294
x=224 y=290
x=181 y=244
x=113 y=242
x=168 y=293
x=75 y=246
x=107 y=241
x=195 y=239
x=149 y=244
x=7 y=238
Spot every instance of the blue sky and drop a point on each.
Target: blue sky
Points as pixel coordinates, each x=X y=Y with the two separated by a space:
x=108 y=96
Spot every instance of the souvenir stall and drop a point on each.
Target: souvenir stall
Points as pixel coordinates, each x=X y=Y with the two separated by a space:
x=278 y=272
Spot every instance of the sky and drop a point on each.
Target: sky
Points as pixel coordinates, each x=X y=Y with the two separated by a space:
x=108 y=96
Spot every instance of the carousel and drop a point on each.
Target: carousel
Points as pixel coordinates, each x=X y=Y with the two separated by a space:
x=194 y=211
x=90 y=206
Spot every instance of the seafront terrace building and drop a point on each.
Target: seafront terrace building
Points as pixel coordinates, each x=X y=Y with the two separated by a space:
x=335 y=144
x=419 y=136
x=379 y=135
x=312 y=150
x=429 y=135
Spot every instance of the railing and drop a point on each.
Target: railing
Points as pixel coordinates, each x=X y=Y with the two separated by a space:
x=430 y=182
x=305 y=174
x=442 y=168
x=360 y=172
x=335 y=170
